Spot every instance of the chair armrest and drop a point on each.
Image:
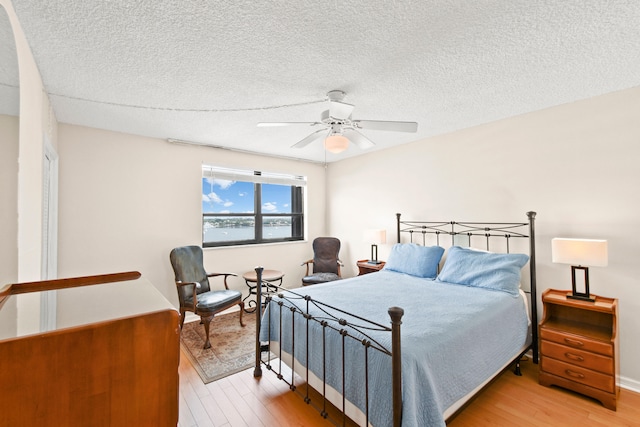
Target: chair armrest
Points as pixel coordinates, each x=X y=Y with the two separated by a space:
x=306 y=263
x=180 y=283
x=226 y=286
x=340 y=264
x=221 y=274
x=195 y=285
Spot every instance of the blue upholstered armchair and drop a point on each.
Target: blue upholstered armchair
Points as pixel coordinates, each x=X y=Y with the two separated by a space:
x=194 y=291
x=325 y=263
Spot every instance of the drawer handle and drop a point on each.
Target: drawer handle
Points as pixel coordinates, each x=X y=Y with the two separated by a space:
x=575 y=357
x=574 y=374
x=573 y=342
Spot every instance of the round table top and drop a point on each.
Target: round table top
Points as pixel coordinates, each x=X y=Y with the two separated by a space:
x=267 y=275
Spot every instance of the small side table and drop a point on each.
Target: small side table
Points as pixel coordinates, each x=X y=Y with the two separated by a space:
x=365 y=267
x=251 y=279
x=579 y=345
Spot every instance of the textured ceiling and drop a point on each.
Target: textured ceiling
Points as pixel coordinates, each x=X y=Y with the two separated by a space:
x=208 y=71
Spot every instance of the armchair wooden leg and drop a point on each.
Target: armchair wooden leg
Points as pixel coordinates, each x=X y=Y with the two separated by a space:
x=207 y=321
x=241 y=304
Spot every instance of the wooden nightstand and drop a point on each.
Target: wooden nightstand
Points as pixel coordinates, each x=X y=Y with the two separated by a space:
x=365 y=268
x=579 y=345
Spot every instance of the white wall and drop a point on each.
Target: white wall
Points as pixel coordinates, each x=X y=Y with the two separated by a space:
x=575 y=164
x=36 y=121
x=8 y=199
x=126 y=201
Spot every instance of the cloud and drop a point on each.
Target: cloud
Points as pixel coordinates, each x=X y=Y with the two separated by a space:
x=223 y=183
x=213 y=197
x=269 y=207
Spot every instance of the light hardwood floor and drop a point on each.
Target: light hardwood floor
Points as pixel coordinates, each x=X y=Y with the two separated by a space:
x=241 y=400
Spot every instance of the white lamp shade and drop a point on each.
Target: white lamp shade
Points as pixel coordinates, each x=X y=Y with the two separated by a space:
x=336 y=143
x=375 y=236
x=582 y=252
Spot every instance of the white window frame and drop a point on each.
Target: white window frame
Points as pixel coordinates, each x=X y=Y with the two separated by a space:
x=259 y=178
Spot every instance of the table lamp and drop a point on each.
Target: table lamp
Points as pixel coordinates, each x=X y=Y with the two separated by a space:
x=581 y=254
x=377 y=237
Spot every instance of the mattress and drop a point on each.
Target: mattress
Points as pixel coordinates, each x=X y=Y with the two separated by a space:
x=454 y=339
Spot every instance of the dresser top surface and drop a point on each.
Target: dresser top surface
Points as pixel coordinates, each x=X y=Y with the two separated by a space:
x=49 y=311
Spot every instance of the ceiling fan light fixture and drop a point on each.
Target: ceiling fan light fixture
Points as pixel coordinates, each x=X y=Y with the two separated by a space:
x=336 y=143
x=342 y=129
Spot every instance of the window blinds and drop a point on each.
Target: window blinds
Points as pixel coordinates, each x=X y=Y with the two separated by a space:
x=217 y=172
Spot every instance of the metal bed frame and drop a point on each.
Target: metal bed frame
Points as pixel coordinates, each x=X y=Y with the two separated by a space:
x=333 y=319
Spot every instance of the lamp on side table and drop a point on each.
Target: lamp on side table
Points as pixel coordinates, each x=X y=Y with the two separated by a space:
x=376 y=237
x=581 y=254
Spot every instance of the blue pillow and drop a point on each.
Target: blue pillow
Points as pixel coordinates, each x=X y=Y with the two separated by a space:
x=416 y=260
x=483 y=269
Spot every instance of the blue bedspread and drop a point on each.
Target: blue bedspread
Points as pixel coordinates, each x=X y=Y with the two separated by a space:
x=453 y=338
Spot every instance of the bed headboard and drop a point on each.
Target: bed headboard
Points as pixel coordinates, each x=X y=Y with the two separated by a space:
x=491 y=236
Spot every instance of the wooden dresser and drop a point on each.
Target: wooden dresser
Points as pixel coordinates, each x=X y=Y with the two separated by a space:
x=108 y=354
x=579 y=345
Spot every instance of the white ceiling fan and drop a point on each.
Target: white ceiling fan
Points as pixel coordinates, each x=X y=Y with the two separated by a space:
x=338 y=128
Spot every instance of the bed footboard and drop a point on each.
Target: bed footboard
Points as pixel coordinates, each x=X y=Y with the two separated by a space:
x=331 y=320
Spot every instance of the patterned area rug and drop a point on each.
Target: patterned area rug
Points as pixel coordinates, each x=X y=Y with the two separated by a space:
x=232 y=346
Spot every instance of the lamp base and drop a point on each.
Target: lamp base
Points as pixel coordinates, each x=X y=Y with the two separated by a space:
x=376 y=262
x=581 y=297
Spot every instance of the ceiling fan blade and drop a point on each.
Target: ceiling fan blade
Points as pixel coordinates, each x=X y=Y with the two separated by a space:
x=273 y=124
x=386 y=125
x=340 y=110
x=309 y=139
x=357 y=138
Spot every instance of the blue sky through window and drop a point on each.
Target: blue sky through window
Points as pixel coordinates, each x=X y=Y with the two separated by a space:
x=224 y=196
x=276 y=198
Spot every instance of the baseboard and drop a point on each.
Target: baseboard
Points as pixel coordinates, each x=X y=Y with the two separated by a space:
x=629 y=384
x=190 y=317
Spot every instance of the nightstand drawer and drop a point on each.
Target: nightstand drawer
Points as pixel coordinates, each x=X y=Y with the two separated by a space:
x=576 y=341
x=577 y=357
x=579 y=375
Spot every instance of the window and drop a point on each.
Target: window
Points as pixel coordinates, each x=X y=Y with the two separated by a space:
x=249 y=207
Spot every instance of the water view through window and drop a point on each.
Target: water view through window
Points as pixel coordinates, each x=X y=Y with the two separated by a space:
x=238 y=228
x=231 y=210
